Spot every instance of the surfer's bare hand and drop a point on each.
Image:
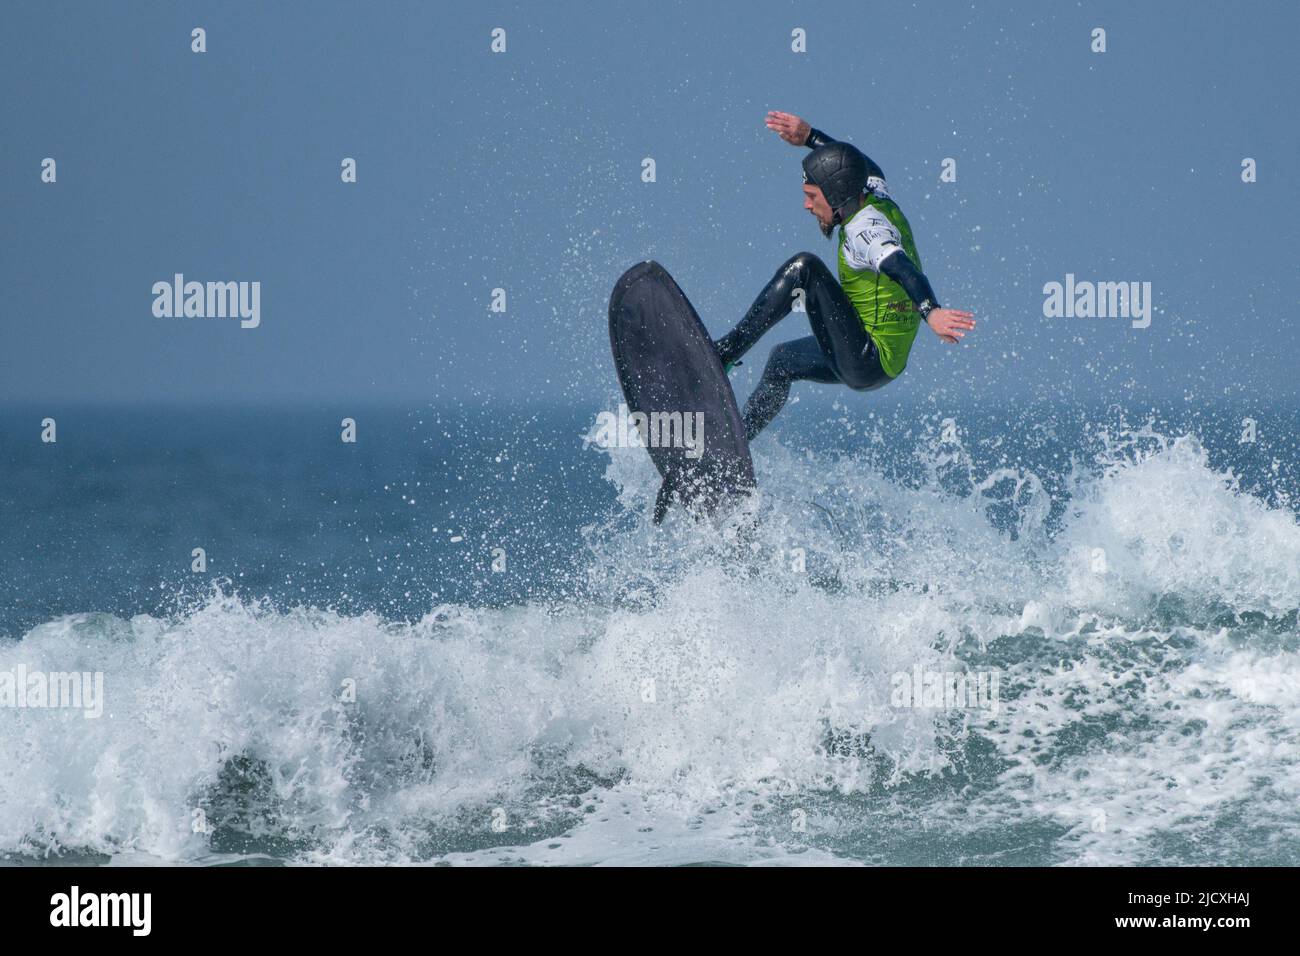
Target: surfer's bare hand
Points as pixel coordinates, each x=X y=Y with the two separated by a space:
x=951 y=325
x=788 y=126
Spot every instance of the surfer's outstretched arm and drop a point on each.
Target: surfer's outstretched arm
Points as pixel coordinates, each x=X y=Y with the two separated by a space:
x=900 y=267
x=950 y=325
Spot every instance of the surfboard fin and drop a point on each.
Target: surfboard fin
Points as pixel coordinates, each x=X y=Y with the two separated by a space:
x=663 y=500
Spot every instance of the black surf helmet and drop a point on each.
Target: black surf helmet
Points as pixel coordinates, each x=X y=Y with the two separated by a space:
x=841 y=171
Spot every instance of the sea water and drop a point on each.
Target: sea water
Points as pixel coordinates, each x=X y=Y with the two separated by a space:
x=459 y=639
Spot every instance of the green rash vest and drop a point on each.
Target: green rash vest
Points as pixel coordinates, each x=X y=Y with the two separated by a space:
x=875 y=231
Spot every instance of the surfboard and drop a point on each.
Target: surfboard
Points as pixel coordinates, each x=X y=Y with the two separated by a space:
x=672 y=377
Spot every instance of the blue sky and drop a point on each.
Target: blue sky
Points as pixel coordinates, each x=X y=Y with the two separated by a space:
x=522 y=170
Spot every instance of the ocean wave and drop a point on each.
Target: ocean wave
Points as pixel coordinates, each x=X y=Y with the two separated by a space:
x=728 y=692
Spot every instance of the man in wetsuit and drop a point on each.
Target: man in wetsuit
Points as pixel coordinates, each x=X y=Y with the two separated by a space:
x=863 y=325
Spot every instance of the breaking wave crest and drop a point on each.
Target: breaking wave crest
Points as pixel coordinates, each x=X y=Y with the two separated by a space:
x=731 y=693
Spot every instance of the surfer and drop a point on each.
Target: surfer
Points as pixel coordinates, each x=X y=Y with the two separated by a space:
x=864 y=324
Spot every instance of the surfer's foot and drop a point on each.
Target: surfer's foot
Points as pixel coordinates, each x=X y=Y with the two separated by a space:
x=727 y=364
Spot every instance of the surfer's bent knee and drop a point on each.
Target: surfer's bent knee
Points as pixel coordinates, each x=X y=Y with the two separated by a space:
x=779 y=364
x=802 y=262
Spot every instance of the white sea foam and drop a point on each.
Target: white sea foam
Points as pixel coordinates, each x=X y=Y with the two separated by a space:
x=703 y=700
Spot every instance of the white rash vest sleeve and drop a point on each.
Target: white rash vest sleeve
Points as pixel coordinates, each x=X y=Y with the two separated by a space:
x=869 y=239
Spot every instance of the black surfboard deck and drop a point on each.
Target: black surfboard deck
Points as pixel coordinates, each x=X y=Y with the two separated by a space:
x=668 y=368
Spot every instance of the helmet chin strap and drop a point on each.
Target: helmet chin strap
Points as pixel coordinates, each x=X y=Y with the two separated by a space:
x=848 y=209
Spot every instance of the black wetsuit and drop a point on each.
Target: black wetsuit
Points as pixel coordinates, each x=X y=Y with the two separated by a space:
x=840 y=348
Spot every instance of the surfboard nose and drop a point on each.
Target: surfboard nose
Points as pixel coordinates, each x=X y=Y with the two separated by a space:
x=641 y=270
